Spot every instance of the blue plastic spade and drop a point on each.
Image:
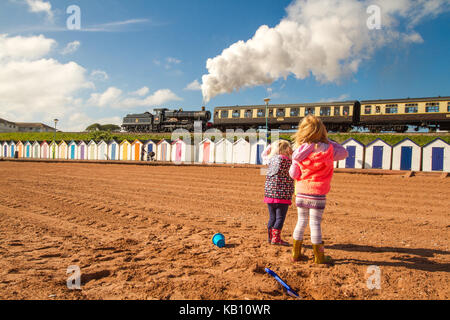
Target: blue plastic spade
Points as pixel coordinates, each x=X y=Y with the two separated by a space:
x=289 y=289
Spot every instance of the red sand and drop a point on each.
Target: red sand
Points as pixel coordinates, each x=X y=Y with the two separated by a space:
x=139 y=232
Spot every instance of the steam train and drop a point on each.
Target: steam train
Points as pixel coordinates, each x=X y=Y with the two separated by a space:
x=340 y=116
x=165 y=120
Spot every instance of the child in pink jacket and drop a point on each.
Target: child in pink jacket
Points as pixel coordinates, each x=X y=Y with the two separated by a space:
x=312 y=168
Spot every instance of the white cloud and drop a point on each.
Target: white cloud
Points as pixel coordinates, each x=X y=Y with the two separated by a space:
x=99 y=75
x=114 y=98
x=141 y=92
x=29 y=48
x=108 y=98
x=71 y=47
x=194 y=86
x=32 y=86
x=38 y=6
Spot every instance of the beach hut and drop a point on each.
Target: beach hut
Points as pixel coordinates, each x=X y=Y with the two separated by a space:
x=82 y=150
x=53 y=147
x=45 y=150
x=92 y=150
x=355 y=159
x=436 y=156
x=182 y=151
x=150 y=146
x=406 y=155
x=241 y=151
x=136 y=150
x=224 y=151
x=125 y=150
x=27 y=152
x=5 y=149
x=206 y=151
x=378 y=155
x=102 y=150
x=36 y=150
x=20 y=148
x=113 y=150
x=164 y=150
x=62 y=150
x=256 y=150
x=72 y=153
x=12 y=149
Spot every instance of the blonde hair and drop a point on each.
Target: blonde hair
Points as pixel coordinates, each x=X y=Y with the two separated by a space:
x=281 y=147
x=310 y=130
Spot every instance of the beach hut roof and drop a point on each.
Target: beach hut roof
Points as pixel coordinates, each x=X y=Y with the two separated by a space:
x=125 y=141
x=137 y=141
x=238 y=140
x=112 y=141
x=150 y=140
x=165 y=140
x=433 y=141
x=403 y=140
x=377 y=139
x=353 y=139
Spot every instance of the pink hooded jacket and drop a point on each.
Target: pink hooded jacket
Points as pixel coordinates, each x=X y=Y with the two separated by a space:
x=312 y=167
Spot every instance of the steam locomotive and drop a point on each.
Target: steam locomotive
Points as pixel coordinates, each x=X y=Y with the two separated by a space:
x=165 y=120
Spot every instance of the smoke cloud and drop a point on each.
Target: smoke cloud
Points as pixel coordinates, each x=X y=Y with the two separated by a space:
x=326 y=39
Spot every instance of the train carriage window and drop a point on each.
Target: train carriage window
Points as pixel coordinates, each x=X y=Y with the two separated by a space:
x=346 y=111
x=448 y=106
x=325 y=111
x=295 y=112
x=224 y=114
x=337 y=111
x=377 y=109
x=248 y=114
x=411 y=108
x=261 y=113
x=432 y=107
x=310 y=111
x=216 y=114
x=391 y=108
x=281 y=112
x=271 y=113
x=368 y=110
x=236 y=113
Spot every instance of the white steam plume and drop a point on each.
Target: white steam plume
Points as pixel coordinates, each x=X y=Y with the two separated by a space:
x=325 y=38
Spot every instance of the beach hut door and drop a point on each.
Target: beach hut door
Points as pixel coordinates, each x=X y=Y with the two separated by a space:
x=72 y=152
x=113 y=151
x=406 y=158
x=163 y=152
x=437 y=159
x=136 y=152
x=259 y=151
x=377 y=161
x=206 y=151
x=28 y=151
x=178 y=153
x=350 y=161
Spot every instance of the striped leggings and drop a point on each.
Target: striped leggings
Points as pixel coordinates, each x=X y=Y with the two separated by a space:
x=315 y=219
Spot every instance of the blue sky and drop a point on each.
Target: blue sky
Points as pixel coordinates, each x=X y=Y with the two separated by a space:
x=151 y=46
